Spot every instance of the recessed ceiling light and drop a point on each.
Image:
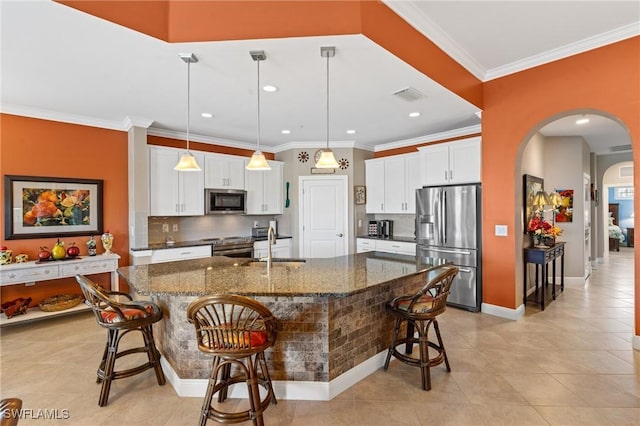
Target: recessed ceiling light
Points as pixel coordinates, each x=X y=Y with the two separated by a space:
x=270 y=88
x=414 y=114
x=206 y=115
x=285 y=131
x=351 y=132
x=583 y=120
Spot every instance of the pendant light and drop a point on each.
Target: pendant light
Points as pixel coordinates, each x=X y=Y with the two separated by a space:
x=187 y=161
x=258 y=162
x=327 y=160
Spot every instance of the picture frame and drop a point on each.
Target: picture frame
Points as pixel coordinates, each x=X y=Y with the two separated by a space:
x=45 y=207
x=360 y=194
x=530 y=186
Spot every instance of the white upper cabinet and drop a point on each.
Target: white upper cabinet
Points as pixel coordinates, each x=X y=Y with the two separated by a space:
x=174 y=193
x=391 y=183
x=264 y=189
x=374 y=177
x=451 y=163
x=223 y=171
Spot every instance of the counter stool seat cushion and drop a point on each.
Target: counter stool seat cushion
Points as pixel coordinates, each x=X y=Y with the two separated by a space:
x=422 y=305
x=113 y=316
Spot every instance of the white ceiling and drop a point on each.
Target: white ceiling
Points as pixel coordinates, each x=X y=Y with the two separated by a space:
x=59 y=63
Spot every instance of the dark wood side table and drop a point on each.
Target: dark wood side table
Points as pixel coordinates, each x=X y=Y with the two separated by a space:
x=630 y=237
x=541 y=257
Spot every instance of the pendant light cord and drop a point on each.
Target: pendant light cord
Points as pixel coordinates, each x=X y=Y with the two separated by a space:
x=258 y=91
x=188 y=100
x=327 y=101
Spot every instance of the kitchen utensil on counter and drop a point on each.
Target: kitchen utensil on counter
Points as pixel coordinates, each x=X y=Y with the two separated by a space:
x=287 y=202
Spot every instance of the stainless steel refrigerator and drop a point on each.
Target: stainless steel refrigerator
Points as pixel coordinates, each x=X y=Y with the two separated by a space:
x=448 y=226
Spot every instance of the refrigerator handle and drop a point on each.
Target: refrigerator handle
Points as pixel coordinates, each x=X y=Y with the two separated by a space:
x=444 y=216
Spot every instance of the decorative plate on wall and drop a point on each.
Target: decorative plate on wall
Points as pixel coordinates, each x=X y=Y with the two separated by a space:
x=303 y=157
x=343 y=163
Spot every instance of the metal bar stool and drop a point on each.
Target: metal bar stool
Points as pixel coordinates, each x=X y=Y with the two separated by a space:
x=420 y=311
x=236 y=330
x=120 y=318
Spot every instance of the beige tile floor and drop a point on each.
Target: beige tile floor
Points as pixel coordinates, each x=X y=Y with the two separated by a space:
x=569 y=365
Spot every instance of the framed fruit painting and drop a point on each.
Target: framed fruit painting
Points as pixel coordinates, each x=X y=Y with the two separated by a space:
x=40 y=207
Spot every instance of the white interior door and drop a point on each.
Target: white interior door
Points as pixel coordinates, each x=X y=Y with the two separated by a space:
x=323 y=213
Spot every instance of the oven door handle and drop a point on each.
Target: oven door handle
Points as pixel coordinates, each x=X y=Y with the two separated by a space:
x=233 y=251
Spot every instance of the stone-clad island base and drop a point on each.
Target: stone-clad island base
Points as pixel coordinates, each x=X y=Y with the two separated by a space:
x=333 y=329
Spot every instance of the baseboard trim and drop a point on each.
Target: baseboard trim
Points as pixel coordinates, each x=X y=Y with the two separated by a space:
x=502 y=312
x=308 y=391
x=635 y=342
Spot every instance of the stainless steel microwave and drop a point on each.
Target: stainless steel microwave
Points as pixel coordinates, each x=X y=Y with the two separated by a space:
x=225 y=201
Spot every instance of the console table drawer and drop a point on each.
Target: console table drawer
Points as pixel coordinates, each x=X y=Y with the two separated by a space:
x=38 y=273
x=90 y=267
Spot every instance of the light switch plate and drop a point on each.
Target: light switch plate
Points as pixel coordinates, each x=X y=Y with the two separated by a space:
x=501 y=230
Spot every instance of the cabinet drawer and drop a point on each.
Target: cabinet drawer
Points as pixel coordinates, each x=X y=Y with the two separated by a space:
x=186 y=253
x=38 y=273
x=364 y=245
x=396 y=247
x=93 y=267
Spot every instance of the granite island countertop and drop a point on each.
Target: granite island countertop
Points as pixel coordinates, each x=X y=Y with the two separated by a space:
x=338 y=277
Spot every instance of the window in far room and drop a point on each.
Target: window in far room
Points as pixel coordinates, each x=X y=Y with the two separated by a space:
x=624 y=193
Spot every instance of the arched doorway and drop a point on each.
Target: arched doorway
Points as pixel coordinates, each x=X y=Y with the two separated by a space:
x=565 y=154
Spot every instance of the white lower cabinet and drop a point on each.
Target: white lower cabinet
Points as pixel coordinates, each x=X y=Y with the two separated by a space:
x=281 y=249
x=387 y=246
x=182 y=253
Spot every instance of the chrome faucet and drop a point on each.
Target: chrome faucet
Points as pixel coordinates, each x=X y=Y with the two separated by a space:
x=271 y=239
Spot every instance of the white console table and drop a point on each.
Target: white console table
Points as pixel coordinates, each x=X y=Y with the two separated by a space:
x=30 y=272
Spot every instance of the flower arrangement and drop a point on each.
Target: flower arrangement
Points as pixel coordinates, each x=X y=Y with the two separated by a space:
x=540 y=228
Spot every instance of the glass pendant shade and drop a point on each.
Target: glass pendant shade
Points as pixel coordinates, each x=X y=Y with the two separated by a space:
x=327 y=160
x=258 y=162
x=187 y=163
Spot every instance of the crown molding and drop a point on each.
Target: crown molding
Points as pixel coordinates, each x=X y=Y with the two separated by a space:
x=430 y=29
x=130 y=122
x=463 y=131
x=313 y=145
x=44 y=114
x=565 y=51
x=201 y=138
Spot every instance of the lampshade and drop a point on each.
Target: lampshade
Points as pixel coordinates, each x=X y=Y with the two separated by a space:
x=540 y=200
x=327 y=159
x=187 y=161
x=258 y=162
x=555 y=199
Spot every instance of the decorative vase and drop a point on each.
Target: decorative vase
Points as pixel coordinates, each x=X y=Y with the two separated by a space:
x=91 y=246
x=549 y=241
x=107 y=242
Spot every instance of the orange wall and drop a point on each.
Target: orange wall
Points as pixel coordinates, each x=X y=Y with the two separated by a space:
x=47 y=148
x=605 y=79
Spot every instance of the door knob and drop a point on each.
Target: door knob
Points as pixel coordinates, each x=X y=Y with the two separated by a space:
x=339 y=235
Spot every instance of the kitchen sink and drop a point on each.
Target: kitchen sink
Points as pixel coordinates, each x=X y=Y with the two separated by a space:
x=276 y=263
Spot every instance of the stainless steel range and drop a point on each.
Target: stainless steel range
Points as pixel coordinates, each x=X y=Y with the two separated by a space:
x=231 y=246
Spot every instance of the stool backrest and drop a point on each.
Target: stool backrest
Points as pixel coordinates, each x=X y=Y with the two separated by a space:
x=232 y=325
x=431 y=299
x=112 y=313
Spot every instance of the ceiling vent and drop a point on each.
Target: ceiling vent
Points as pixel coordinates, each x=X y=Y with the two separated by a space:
x=409 y=94
x=626 y=171
x=619 y=148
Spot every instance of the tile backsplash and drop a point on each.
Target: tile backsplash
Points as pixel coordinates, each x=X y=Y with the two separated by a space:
x=192 y=228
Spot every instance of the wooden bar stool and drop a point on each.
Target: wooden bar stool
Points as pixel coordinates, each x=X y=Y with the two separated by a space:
x=419 y=311
x=120 y=318
x=236 y=330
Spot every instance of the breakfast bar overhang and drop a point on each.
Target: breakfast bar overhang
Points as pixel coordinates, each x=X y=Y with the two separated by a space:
x=333 y=329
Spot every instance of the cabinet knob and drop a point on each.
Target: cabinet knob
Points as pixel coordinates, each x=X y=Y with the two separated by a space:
x=340 y=235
